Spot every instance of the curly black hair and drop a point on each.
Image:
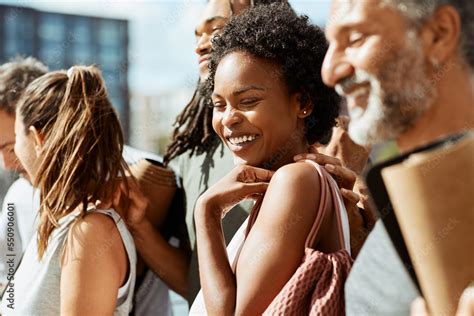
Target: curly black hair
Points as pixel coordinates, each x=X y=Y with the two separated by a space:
x=276 y=33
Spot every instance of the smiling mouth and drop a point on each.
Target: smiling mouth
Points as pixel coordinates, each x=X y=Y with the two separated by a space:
x=358 y=97
x=242 y=140
x=204 y=59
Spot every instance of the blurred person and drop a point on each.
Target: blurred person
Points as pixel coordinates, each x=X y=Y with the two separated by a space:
x=20 y=204
x=82 y=259
x=15 y=76
x=269 y=104
x=406 y=71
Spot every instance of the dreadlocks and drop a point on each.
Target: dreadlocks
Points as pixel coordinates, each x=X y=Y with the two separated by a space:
x=193 y=127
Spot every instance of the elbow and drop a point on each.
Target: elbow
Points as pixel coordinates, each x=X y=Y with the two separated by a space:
x=176 y=276
x=181 y=289
x=220 y=303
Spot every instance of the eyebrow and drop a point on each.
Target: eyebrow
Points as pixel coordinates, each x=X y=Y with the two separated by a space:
x=344 y=28
x=2 y=146
x=248 y=88
x=210 y=20
x=242 y=90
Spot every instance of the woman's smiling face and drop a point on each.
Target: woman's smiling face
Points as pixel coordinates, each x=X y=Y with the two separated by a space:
x=255 y=115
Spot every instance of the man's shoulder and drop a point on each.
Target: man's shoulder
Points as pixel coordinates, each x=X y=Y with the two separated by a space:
x=24 y=198
x=214 y=164
x=20 y=189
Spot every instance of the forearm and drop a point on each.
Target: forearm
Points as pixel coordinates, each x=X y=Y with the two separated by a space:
x=169 y=263
x=216 y=275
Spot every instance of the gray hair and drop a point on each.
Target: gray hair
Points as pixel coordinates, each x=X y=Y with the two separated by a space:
x=418 y=11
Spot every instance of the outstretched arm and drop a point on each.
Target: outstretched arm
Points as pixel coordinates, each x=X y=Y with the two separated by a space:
x=169 y=263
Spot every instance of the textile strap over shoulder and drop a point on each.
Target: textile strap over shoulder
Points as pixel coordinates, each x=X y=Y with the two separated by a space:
x=317 y=286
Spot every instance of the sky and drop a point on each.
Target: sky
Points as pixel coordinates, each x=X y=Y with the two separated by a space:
x=161 y=37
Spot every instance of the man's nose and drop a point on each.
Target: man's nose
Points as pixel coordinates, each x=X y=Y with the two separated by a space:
x=335 y=67
x=203 y=45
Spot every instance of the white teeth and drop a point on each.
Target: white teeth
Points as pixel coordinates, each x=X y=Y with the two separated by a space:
x=359 y=92
x=243 y=139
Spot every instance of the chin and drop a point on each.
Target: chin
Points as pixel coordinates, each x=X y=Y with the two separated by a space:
x=203 y=76
x=248 y=161
x=240 y=161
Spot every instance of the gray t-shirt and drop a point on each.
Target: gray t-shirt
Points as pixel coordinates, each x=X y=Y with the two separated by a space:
x=36 y=287
x=198 y=173
x=379 y=284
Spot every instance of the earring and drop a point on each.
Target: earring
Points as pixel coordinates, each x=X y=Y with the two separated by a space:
x=305 y=112
x=435 y=62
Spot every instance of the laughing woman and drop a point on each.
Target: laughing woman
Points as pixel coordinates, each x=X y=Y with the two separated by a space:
x=82 y=259
x=269 y=104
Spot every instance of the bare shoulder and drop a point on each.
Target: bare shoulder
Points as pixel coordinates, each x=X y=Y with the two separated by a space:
x=95 y=235
x=293 y=191
x=94 y=225
x=298 y=178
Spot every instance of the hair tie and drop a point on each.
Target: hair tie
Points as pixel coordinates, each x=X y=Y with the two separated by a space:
x=69 y=72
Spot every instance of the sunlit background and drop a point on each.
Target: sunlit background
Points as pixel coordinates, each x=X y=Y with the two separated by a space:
x=145 y=50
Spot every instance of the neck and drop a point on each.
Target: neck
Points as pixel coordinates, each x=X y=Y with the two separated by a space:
x=285 y=154
x=451 y=113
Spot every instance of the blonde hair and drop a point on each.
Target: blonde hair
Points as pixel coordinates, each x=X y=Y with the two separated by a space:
x=83 y=143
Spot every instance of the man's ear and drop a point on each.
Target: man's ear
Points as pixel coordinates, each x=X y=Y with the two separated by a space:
x=304 y=107
x=441 y=35
x=38 y=138
x=239 y=5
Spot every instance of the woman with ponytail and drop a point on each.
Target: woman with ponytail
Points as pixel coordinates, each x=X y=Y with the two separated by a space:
x=82 y=259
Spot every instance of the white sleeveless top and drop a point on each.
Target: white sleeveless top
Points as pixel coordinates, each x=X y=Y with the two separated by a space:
x=234 y=247
x=36 y=284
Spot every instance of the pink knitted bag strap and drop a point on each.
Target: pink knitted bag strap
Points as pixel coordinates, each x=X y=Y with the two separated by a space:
x=326 y=192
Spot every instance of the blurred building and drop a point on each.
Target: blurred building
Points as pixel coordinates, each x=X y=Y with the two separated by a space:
x=62 y=40
x=153 y=117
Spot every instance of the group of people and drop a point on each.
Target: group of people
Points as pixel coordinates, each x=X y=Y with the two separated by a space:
x=269 y=167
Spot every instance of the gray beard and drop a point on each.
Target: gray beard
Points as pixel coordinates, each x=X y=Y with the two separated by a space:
x=398 y=97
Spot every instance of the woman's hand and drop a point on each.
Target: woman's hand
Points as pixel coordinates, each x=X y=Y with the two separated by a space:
x=171 y=265
x=129 y=202
x=341 y=146
x=217 y=278
x=243 y=182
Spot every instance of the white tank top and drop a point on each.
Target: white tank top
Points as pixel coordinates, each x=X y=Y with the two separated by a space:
x=233 y=249
x=36 y=284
